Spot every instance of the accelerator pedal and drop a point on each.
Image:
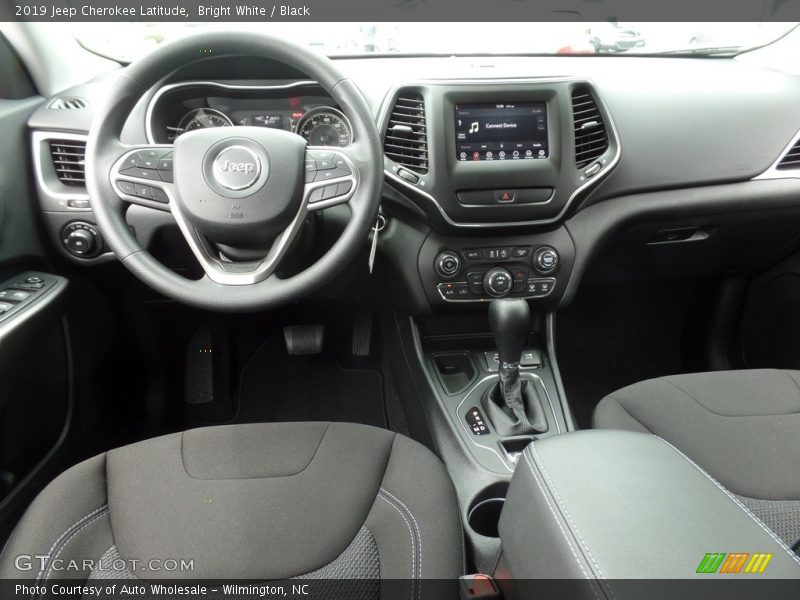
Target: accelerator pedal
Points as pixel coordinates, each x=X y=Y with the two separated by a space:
x=362 y=333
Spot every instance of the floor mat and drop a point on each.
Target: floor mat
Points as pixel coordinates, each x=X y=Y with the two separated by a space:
x=275 y=386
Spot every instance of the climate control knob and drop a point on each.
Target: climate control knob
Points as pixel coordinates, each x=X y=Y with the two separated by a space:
x=447 y=264
x=545 y=259
x=498 y=282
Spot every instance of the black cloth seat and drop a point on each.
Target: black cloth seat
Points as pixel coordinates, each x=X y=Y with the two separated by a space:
x=258 y=501
x=742 y=427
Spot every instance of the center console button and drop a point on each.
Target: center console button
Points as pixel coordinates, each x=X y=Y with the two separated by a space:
x=447 y=264
x=520 y=279
x=497 y=253
x=472 y=254
x=475 y=282
x=505 y=196
x=498 y=282
x=545 y=259
x=521 y=251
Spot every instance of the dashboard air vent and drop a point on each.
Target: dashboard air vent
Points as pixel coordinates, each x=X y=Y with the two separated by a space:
x=69 y=157
x=68 y=103
x=791 y=160
x=406 y=139
x=591 y=137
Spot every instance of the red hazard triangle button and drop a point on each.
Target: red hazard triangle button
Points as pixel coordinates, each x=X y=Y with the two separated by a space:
x=505 y=195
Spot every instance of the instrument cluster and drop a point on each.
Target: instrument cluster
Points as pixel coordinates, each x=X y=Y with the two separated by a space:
x=303 y=109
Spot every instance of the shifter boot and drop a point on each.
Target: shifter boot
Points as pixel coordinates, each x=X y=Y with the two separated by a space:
x=514 y=407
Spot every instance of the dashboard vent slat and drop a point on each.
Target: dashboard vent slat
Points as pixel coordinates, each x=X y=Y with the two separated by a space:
x=591 y=135
x=791 y=160
x=69 y=160
x=406 y=138
x=69 y=103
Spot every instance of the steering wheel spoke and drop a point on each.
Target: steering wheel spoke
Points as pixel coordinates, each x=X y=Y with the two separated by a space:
x=143 y=175
x=331 y=177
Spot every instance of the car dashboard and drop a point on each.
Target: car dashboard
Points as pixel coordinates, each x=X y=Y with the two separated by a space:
x=508 y=176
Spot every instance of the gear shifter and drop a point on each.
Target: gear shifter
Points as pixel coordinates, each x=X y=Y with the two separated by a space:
x=512 y=406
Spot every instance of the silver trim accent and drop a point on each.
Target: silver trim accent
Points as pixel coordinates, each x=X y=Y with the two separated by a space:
x=201 y=249
x=329 y=109
x=607 y=168
x=39 y=139
x=148 y=118
x=471 y=436
x=256 y=168
x=489 y=299
x=772 y=172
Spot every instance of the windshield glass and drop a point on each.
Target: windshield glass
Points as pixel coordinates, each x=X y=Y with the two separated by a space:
x=127 y=41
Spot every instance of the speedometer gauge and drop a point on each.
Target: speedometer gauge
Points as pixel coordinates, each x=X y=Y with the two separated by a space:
x=203 y=118
x=325 y=126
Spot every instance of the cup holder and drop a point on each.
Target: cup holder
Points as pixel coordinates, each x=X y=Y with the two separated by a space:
x=485 y=516
x=484 y=513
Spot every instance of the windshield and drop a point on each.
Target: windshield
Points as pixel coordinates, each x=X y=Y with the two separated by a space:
x=126 y=41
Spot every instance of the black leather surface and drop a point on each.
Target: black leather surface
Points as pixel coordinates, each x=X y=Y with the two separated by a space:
x=617 y=505
x=258 y=501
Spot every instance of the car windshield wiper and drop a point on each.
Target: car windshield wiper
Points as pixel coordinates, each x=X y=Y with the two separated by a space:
x=706 y=51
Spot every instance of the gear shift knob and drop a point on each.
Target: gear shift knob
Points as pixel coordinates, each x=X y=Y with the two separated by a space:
x=510 y=319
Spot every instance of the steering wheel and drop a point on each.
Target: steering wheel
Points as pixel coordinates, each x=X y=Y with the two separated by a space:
x=239 y=195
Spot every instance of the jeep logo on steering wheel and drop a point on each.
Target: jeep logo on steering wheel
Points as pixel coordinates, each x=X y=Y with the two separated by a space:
x=237 y=168
x=242 y=167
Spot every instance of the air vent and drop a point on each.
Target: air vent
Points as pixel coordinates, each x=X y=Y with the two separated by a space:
x=591 y=137
x=69 y=161
x=69 y=103
x=791 y=160
x=406 y=140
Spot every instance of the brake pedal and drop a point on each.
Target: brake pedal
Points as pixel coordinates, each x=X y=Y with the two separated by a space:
x=304 y=339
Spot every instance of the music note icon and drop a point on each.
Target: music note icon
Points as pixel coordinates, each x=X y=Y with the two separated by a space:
x=474 y=127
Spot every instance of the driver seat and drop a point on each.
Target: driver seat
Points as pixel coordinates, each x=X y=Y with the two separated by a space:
x=265 y=501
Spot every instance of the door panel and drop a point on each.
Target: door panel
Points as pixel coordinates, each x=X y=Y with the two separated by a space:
x=34 y=359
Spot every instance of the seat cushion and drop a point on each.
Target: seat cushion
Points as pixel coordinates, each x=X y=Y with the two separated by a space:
x=740 y=426
x=258 y=501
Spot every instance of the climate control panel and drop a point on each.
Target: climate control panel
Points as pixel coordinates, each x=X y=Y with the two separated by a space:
x=459 y=270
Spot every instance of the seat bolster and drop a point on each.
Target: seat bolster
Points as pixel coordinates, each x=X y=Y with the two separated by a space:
x=610 y=414
x=69 y=518
x=415 y=517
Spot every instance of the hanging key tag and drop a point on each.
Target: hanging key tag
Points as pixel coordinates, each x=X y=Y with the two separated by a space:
x=380 y=223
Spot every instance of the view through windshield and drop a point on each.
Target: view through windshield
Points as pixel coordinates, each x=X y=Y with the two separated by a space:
x=127 y=41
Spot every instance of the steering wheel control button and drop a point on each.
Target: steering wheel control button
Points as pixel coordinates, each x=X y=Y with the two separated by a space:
x=127 y=187
x=545 y=259
x=447 y=264
x=159 y=195
x=344 y=188
x=331 y=173
x=237 y=168
x=498 y=282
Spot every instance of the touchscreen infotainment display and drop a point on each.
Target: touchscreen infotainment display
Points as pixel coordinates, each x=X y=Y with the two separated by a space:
x=510 y=131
